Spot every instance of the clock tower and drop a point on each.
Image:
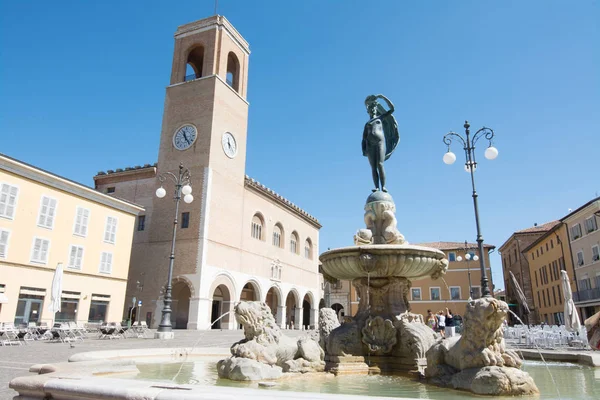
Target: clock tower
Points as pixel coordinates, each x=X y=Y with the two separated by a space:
x=210 y=100
x=237 y=240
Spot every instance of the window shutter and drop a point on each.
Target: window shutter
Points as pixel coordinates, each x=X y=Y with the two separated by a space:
x=3 y=242
x=43 y=212
x=103 y=263
x=4 y=199
x=109 y=262
x=85 y=215
x=51 y=212
x=44 y=250
x=37 y=245
x=79 y=256
x=79 y=221
x=113 y=230
x=73 y=256
x=107 y=230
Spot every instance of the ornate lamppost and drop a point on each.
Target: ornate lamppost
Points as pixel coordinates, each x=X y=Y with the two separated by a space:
x=491 y=153
x=182 y=186
x=468 y=258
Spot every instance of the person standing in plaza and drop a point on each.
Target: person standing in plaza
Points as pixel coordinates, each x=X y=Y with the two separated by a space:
x=449 y=324
x=431 y=321
x=441 y=323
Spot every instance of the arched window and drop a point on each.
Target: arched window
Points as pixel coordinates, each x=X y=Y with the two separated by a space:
x=195 y=60
x=257 y=227
x=308 y=249
x=233 y=71
x=277 y=235
x=294 y=243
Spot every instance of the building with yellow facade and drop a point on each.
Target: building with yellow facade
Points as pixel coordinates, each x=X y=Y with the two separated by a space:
x=46 y=220
x=547 y=256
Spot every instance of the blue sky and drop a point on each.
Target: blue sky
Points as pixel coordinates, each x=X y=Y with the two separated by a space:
x=82 y=90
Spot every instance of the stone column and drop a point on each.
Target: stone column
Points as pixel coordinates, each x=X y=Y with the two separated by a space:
x=281 y=316
x=314 y=316
x=298 y=314
x=199 y=314
x=229 y=321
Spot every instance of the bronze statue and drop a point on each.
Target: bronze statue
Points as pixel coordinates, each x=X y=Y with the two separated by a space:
x=380 y=137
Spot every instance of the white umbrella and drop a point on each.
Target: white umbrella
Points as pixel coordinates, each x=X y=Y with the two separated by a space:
x=56 y=290
x=572 y=322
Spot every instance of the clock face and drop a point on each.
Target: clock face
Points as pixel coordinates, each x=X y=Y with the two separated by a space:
x=185 y=137
x=229 y=145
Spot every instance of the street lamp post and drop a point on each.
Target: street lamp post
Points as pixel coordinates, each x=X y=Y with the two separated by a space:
x=491 y=153
x=468 y=258
x=182 y=186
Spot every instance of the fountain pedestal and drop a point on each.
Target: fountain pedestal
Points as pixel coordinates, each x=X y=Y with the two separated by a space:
x=383 y=336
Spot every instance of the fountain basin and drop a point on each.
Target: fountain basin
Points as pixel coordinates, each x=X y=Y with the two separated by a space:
x=149 y=373
x=380 y=261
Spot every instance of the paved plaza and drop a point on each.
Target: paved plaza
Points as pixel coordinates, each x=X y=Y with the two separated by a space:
x=16 y=360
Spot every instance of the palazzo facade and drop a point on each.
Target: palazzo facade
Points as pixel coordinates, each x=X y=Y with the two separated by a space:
x=238 y=240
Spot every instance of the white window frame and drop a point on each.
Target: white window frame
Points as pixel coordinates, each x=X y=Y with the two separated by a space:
x=439 y=291
x=578 y=225
x=308 y=250
x=39 y=261
x=257 y=228
x=450 y=256
x=100 y=269
x=294 y=242
x=597 y=253
x=111 y=233
x=83 y=209
x=582 y=262
x=592 y=219
x=459 y=292
x=420 y=294
x=2 y=230
x=276 y=238
x=47 y=216
x=4 y=214
x=75 y=267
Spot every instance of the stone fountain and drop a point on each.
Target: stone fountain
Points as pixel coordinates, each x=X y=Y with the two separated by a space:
x=383 y=336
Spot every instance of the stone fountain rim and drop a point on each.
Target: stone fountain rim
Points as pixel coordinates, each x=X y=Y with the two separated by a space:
x=385 y=249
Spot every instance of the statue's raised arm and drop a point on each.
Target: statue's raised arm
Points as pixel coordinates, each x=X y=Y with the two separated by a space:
x=380 y=137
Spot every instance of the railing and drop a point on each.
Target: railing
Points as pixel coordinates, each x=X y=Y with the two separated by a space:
x=588 y=294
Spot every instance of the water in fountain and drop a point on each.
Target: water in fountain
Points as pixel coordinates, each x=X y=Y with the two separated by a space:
x=539 y=352
x=196 y=343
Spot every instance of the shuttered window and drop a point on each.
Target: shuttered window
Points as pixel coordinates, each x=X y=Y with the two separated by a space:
x=8 y=200
x=3 y=242
x=82 y=217
x=106 y=262
x=75 y=257
x=39 y=253
x=47 y=212
x=110 y=230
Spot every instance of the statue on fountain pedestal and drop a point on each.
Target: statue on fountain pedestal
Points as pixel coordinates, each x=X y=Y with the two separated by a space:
x=380 y=137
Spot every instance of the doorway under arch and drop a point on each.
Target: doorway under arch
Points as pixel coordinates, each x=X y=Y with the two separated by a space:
x=181 y=305
x=273 y=300
x=307 y=313
x=249 y=292
x=221 y=299
x=291 y=303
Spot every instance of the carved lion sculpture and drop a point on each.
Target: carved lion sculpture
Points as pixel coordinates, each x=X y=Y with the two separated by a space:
x=481 y=344
x=264 y=341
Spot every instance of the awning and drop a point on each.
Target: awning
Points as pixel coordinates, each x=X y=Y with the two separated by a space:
x=3 y=298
